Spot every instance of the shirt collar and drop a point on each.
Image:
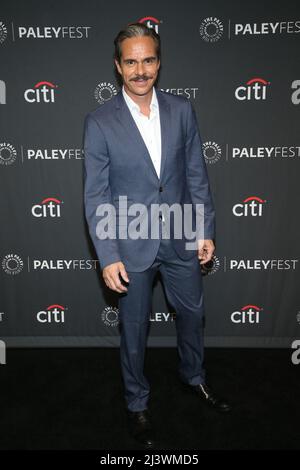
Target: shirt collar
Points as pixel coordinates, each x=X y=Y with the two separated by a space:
x=132 y=105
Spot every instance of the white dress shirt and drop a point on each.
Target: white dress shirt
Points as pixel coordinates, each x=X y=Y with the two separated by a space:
x=149 y=127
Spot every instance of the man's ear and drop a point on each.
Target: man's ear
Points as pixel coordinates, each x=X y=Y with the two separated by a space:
x=118 y=67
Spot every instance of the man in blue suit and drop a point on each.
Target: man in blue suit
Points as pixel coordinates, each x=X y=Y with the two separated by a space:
x=143 y=147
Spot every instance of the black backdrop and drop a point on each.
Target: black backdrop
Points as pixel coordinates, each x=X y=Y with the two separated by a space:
x=238 y=62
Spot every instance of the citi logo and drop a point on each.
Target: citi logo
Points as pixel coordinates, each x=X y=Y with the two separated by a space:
x=247 y=314
x=251 y=206
x=53 y=314
x=255 y=89
x=150 y=22
x=49 y=207
x=42 y=92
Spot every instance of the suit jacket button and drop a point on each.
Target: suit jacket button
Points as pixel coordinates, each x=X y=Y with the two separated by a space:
x=160 y=189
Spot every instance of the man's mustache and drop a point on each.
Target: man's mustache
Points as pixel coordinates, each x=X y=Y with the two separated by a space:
x=140 y=77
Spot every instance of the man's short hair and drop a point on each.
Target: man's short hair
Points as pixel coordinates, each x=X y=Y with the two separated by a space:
x=135 y=30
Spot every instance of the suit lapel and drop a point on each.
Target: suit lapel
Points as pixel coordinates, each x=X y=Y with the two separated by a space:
x=165 y=127
x=127 y=121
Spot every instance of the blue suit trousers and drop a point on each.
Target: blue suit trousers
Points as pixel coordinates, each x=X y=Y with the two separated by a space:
x=182 y=280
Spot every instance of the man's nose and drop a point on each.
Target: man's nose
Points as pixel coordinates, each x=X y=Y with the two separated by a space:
x=140 y=68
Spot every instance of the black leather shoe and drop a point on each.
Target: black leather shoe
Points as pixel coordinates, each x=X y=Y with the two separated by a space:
x=140 y=427
x=208 y=397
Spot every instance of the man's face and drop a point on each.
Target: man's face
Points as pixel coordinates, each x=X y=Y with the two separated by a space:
x=139 y=65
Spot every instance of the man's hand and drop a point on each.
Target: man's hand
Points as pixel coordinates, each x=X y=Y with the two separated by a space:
x=206 y=250
x=111 y=276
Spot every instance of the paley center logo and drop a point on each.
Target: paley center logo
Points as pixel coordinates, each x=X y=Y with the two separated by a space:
x=104 y=91
x=211 y=267
x=212 y=152
x=12 y=264
x=247 y=314
x=251 y=206
x=211 y=29
x=254 y=89
x=150 y=22
x=3 y=32
x=42 y=92
x=49 y=207
x=8 y=154
x=110 y=316
x=53 y=314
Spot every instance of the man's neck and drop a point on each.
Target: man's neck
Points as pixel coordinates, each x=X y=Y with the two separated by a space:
x=143 y=101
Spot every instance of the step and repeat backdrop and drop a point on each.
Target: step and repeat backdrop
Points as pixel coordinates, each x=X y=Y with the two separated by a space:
x=238 y=63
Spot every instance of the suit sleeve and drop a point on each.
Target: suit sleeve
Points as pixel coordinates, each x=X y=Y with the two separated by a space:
x=97 y=189
x=196 y=172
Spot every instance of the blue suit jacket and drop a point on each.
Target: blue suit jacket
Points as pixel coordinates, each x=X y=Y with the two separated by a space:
x=117 y=163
